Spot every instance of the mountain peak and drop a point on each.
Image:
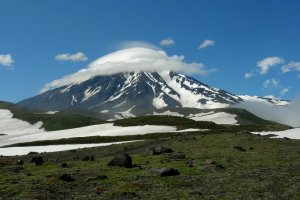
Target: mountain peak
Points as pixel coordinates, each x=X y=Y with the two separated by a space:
x=137 y=92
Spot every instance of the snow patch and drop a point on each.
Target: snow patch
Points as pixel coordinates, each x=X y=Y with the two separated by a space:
x=158 y=102
x=13 y=127
x=119 y=104
x=13 y=151
x=218 y=118
x=290 y=133
x=196 y=116
x=73 y=100
x=51 y=112
x=88 y=93
x=168 y=113
x=67 y=89
x=107 y=129
x=127 y=113
x=191 y=130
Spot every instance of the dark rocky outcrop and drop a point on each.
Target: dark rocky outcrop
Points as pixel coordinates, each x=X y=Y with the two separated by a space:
x=166 y=171
x=158 y=150
x=64 y=165
x=123 y=160
x=66 y=177
x=37 y=160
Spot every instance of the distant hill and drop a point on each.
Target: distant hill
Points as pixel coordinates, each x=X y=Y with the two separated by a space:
x=56 y=121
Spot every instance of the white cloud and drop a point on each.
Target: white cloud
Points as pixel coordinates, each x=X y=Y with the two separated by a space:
x=265 y=64
x=288 y=114
x=7 y=61
x=284 y=91
x=130 y=60
x=135 y=43
x=249 y=75
x=292 y=66
x=79 y=56
x=271 y=83
x=270 y=96
x=206 y=43
x=167 y=42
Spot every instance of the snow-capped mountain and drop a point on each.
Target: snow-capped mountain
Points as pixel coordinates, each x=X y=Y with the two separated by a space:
x=132 y=93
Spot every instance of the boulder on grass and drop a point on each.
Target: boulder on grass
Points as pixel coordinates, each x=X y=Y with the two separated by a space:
x=66 y=177
x=166 y=171
x=37 y=160
x=123 y=160
x=20 y=162
x=239 y=148
x=158 y=150
x=64 y=165
x=211 y=164
x=88 y=158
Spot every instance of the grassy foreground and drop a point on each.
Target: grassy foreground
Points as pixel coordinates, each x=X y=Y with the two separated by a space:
x=267 y=169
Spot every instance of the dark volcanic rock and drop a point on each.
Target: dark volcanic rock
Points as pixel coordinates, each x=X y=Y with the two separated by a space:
x=64 y=165
x=88 y=158
x=196 y=193
x=158 y=150
x=20 y=162
x=219 y=167
x=213 y=165
x=37 y=160
x=239 y=148
x=123 y=160
x=166 y=171
x=66 y=177
x=190 y=163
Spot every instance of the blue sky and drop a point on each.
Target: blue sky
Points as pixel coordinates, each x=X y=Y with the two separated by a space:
x=239 y=34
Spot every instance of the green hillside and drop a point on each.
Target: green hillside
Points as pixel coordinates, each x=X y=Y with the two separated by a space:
x=57 y=121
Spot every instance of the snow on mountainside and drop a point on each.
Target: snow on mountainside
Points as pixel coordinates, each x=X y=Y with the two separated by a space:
x=130 y=94
x=12 y=127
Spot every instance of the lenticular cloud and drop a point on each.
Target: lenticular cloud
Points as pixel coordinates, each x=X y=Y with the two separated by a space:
x=130 y=60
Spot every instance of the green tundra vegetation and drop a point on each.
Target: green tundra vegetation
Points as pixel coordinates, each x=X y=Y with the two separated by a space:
x=224 y=162
x=216 y=162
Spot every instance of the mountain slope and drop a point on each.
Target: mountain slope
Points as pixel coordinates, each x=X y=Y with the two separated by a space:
x=50 y=122
x=130 y=94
